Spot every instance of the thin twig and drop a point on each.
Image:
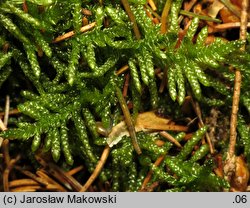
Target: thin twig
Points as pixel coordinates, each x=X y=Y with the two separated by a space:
x=67 y=180
x=42 y=174
x=164 y=16
x=132 y=18
x=6 y=173
x=170 y=138
x=153 y=12
x=164 y=80
x=71 y=33
x=2 y=125
x=122 y=69
x=150 y=173
x=3 y=128
x=6 y=154
x=188 y=7
x=149 y=14
x=31 y=188
x=64 y=177
x=126 y=85
x=158 y=161
x=128 y=120
x=6 y=111
x=202 y=17
x=1 y=141
x=25 y=6
x=168 y=127
x=11 y=112
x=197 y=110
x=152 y=5
x=229 y=25
x=75 y=170
x=231 y=7
x=244 y=23
x=98 y=169
x=32 y=176
x=151 y=187
x=237 y=83
x=22 y=182
x=229 y=167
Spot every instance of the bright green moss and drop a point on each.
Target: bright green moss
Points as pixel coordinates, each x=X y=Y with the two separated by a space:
x=71 y=85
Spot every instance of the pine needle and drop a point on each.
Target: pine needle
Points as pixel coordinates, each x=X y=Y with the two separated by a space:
x=72 y=33
x=97 y=170
x=164 y=16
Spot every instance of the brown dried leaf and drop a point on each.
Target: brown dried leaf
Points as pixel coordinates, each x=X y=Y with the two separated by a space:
x=149 y=120
x=215 y=8
x=146 y=121
x=241 y=177
x=227 y=16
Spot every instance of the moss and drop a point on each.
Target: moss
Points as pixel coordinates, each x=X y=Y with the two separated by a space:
x=72 y=85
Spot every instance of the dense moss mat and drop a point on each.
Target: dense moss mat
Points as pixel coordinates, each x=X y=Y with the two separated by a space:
x=63 y=88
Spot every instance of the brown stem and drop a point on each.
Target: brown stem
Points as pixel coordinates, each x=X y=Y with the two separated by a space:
x=2 y=126
x=233 y=8
x=151 y=187
x=128 y=120
x=132 y=19
x=32 y=176
x=98 y=169
x=6 y=173
x=43 y=174
x=71 y=33
x=229 y=25
x=6 y=111
x=164 y=16
x=31 y=188
x=188 y=7
x=150 y=173
x=22 y=182
x=57 y=172
x=126 y=85
x=11 y=112
x=237 y=83
x=6 y=154
x=164 y=80
x=122 y=69
x=197 y=110
x=170 y=138
x=152 y=5
x=75 y=170
x=25 y=6
x=153 y=12
x=230 y=164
